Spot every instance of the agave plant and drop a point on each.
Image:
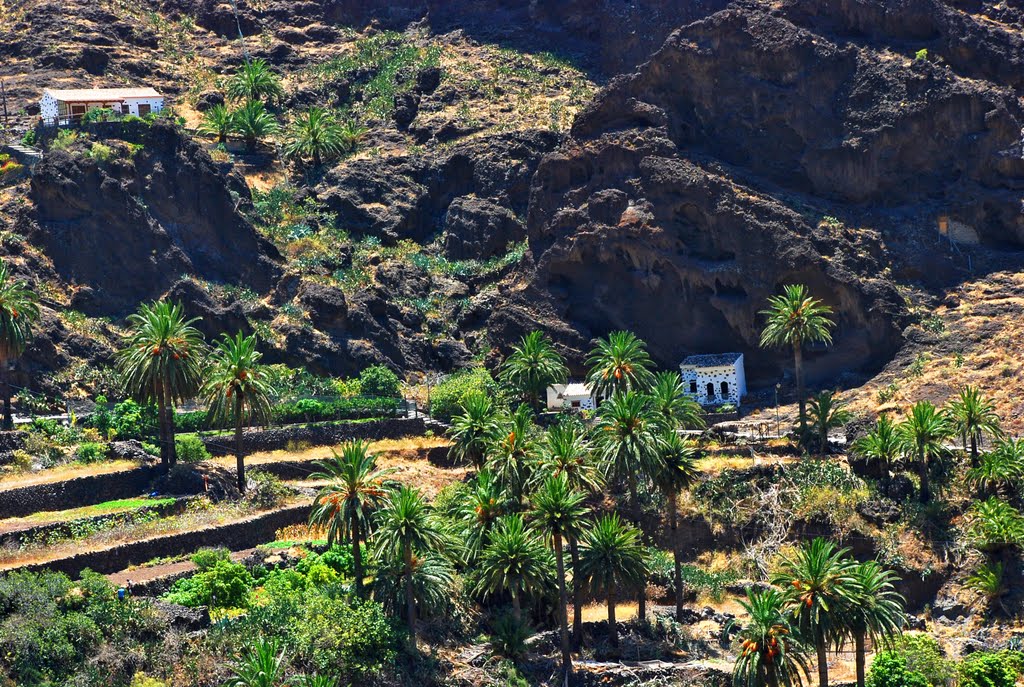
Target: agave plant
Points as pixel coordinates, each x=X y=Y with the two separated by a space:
x=262 y=664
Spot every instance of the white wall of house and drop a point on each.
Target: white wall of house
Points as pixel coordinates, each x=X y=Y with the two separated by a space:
x=715 y=386
x=558 y=398
x=51 y=109
x=155 y=104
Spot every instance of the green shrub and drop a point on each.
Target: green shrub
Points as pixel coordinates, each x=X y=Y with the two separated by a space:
x=987 y=669
x=335 y=633
x=924 y=655
x=64 y=140
x=133 y=421
x=510 y=635
x=190 y=449
x=264 y=490
x=100 y=152
x=29 y=139
x=101 y=418
x=90 y=452
x=446 y=398
x=223 y=584
x=205 y=559
x=889 y=669
x=921 y=55
x=378 y=380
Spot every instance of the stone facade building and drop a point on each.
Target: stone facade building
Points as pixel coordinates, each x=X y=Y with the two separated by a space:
x=715 y=379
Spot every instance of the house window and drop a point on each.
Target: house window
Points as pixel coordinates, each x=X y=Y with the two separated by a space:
x=711 y=390
x=575 y=404
x=693 y=388
x=144 y=109
x=725 y=389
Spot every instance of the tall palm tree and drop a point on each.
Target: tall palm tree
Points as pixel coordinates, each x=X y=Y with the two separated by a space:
x=676 y=471
x=612 y=557
x=355 y=489
x=627 y=435
x=513 y=456
x=262 y=664
x=19 y=311
x=567 y=452
x=237 y=389
x=921 y=436
x=772 y=653
x=514 y=561
x=876 y=612
x=794 y=319
x=314 y=134
x=972 y=416
x=672 y=405
x=827 y=412
x=254 y=80
x=162 y=363
x=475 y=429
x=532 y=367
x=485 y=503
x=218 y=121
x=433 y=578
x=618 y=364
x=405 y=528
x=252 y=122
x=881 y=444
x=558 y=510
x=999 y=470
x=821 y=587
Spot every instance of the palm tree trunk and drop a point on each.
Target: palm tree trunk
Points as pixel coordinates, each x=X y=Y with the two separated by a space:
x=798 y=372
x=858 y=640
x=677 y=574
x=613 y=630
x=641 y=601
x=974 y=450
x=161 y=425
x=410 y=602
x=819 y=646
x=922 y=467
x=563 y=602
x=771 y=678
x=577 y=594
x=517 y=605
x=239 y=455
x=5 y=381
x=633 y=498
x=172 y=453
x=357 y=557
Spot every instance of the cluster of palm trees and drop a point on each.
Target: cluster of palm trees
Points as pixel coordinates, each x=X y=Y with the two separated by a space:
x=165 y=361
x=821 y=599
x=923 y=435
x=316 y=134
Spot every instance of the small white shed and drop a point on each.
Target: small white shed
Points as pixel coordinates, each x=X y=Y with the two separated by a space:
x=66 y=106
x=575 y=395
x=714 y=379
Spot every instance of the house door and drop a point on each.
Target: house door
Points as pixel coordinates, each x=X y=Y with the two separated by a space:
x=144 y=109
x=78 y=111
x=711 y=390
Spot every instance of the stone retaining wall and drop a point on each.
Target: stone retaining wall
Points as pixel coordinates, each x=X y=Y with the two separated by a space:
x=316 y=435
x=78 y=491
x=239 y=535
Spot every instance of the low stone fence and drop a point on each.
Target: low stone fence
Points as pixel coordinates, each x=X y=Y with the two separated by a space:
x=236 y=536
x=78 y=491
x=328 y=434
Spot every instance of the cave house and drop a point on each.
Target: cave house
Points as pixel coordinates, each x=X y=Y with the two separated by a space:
x=59 y=107
x=714 y=379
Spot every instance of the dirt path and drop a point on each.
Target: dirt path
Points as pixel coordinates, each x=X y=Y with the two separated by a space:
x=150 y=573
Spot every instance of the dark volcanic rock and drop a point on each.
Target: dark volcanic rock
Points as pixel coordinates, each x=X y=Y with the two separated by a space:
x=326 y=305
x=130 y=228
x=478 y=228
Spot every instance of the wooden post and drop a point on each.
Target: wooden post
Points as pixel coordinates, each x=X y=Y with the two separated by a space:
x=3 y=97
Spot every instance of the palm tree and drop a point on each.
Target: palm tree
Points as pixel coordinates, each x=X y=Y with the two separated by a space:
x=532 y=367
x=793 y=319
x=559 y=511
x=999 y=470
x=971 y=416
x=677 y=470
x=406 y=527
x=238 y=389
x=355 y=489
x=254 y=80
x=433 y=579
x=921 y=436
x=772 y=653
x=314 y=134
x=612 y=557
x=252 y=122
x=484 y=504
x=618 y=364
x=881 y=444
x=161 y=363
x=821 y=586
x=261 y=664
x=672 y=405
x=19 y=311
x=513 y=456
x=514 y=561
x=877 y=611
x=218 y=121
x=827 y=412
x=475 y=429
x=627 y=437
